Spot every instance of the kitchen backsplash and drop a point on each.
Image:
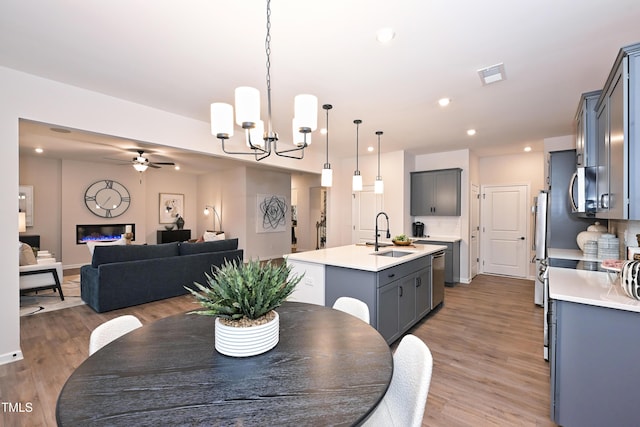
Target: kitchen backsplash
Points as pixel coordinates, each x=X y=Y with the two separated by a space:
x=440 y=226
x=625 y=231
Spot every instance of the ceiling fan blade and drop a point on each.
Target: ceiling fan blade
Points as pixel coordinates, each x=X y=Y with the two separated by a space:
x=152 y=165
x=163 y=163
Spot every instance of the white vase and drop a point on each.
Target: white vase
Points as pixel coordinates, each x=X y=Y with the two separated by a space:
x=248 y=341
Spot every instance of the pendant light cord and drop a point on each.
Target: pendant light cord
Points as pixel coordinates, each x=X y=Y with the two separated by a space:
x=267 y=47
x=327 y=107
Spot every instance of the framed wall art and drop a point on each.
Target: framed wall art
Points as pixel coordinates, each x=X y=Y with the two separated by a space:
x=171 y=207
x=271 y=213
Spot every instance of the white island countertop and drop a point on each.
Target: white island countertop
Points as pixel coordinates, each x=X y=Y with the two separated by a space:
x=590 y=287
x=361 y=257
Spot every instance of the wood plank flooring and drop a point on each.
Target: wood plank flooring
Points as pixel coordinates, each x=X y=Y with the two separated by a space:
x=486 y=342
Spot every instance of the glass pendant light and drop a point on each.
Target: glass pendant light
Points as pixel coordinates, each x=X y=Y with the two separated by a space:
x=357 y=178
x=327 y=174
x=378 y=187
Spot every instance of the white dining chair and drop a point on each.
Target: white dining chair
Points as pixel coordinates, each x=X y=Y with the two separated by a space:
x=110 y=330
x=405 y=399
x=353 y=306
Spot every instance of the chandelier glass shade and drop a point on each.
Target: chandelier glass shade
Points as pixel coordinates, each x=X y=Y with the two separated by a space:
x=263 y=141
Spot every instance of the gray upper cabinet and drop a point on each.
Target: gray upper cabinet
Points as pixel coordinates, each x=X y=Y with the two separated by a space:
x=436 y=193
x=618 y=178
x=586 y=137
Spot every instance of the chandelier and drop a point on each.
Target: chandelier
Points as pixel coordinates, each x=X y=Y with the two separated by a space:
x=262 y=142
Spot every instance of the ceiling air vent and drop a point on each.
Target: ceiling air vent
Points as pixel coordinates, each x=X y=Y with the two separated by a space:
x=492 y=74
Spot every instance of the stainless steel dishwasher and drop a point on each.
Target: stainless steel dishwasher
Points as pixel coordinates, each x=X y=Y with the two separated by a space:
x=437 y=278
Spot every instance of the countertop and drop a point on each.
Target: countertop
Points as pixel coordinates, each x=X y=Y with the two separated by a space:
x=590 y=287
x=360 y=257
x=587 y=287
x=576 y=254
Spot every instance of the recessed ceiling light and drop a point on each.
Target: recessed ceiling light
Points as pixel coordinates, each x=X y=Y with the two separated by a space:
x=471 y=132
x=176 y=167
x=492 y=74
x=323 y=131
x=39 y=150
x=444 y=102
x=527 y=149
x=385 y=35
x=370 y=149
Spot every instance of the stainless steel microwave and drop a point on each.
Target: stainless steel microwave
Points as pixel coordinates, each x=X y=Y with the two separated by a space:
x=583 y=195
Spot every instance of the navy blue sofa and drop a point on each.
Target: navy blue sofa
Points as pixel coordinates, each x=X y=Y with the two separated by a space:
x=123 y=276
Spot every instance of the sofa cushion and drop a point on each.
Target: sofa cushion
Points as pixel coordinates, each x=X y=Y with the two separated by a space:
x=214 y=246
x=111 y=254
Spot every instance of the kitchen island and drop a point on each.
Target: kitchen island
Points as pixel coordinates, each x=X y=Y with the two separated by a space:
x=395 y=282
x=594 y=348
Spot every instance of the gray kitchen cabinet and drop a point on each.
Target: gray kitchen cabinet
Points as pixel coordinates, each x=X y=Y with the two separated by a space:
x=451 y=259
x=594 y=365
x=618 y=177
x=397 y=297
x=436 y=193
x=586 y=136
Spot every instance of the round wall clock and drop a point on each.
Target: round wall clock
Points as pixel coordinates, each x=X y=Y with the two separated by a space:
x=107 y=198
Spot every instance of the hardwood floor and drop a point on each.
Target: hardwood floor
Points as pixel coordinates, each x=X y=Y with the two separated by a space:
x=486 y=342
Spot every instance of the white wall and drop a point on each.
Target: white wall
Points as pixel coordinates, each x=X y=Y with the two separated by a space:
x=34 y=98
x=266 y=244
x=525 y=168
x=451 y=226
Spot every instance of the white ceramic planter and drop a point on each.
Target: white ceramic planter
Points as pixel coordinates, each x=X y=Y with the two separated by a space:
x=250 y=341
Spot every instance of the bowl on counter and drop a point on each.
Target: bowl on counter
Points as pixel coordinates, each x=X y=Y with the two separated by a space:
x=402 y=242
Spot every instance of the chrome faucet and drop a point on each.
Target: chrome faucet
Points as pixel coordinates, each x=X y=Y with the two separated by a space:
x=375 y=248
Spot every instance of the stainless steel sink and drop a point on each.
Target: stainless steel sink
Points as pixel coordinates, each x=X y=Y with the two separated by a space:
x=392 y=253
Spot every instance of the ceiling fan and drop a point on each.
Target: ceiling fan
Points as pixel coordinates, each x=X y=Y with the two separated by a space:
x=141 y=163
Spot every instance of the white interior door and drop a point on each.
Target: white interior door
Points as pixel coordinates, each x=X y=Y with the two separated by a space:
x=366 y=204
x=475 y=230
x=504 y=230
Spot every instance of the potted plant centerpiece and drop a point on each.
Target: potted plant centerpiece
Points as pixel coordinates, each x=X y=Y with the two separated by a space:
x=243 y=297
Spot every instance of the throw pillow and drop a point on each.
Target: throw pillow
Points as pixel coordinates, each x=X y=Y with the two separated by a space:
x=26 y=255
x=92 y=244
x=210 y=236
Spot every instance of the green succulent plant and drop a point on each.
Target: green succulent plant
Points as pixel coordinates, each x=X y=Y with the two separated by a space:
x=236 y=290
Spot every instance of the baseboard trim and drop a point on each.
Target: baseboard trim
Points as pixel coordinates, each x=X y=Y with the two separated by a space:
x=13 y=356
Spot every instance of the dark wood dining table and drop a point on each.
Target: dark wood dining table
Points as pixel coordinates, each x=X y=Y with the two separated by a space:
x=329 y=368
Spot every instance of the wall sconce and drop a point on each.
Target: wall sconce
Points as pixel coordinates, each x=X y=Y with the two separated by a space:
x=207 y=211
x=357 y=178
x=378 y=185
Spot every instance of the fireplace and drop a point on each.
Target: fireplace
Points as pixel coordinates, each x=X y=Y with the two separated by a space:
x=102 y=232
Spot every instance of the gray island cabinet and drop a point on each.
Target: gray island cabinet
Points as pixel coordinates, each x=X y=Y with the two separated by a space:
x=397 y=297
x=397 y=290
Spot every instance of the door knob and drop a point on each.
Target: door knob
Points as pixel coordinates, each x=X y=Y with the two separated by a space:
x=521 y=238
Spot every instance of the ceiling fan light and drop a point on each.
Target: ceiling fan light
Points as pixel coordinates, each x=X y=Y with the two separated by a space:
x=247 y=100
x=140 y=167
x=306 y=111
x=221 y=119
